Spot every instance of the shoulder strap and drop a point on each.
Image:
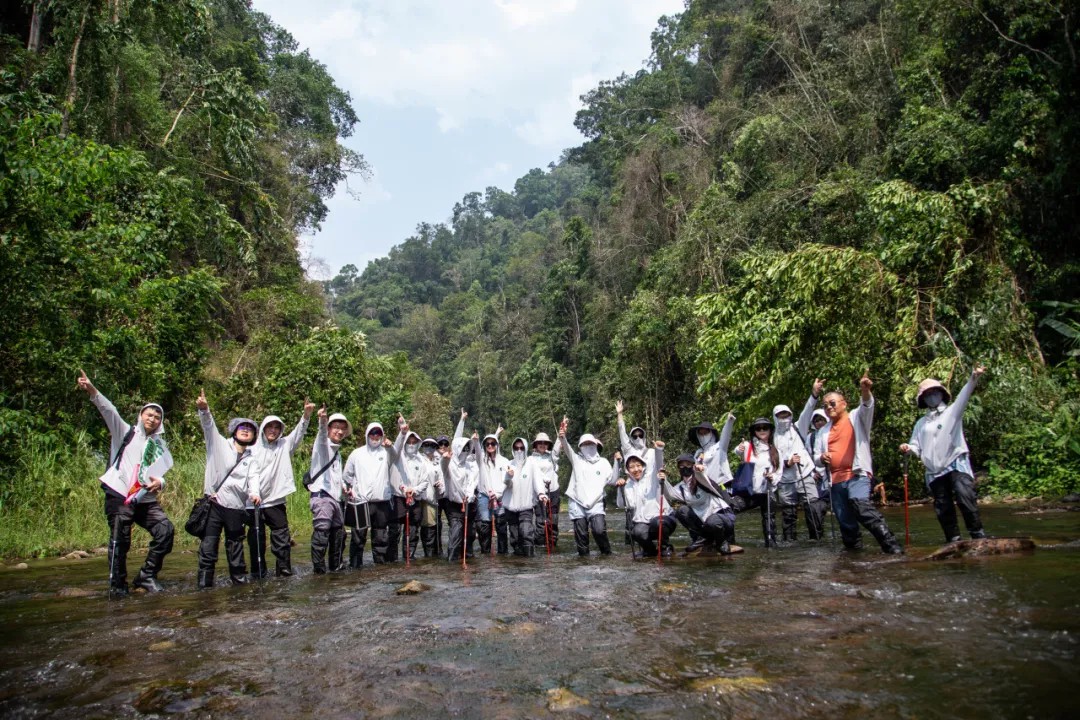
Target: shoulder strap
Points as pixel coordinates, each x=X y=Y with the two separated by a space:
x=123 y=446
x=325 y=467
x=218 y=486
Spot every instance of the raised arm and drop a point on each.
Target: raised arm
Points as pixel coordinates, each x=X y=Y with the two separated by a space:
x=964 y=395
x=459 y=431
x=866 y=407
x=624 y=439
x=807 y=414
x=298 y=432
x=725 y=433
x=117 y=427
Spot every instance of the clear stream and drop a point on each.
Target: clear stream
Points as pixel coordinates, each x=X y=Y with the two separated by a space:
x=798 y=631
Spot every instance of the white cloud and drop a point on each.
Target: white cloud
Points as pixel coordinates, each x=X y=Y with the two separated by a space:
x=521 y=13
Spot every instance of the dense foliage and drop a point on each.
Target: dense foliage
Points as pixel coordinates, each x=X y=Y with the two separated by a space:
x=788 y=190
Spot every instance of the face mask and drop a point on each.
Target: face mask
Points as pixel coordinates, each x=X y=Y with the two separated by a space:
x=429 y=451
x=588 y=452
x=374 y=442
x=783 y=424
x=705 y=439
x=686 y=472
x=411 y=448
x=637 y=443
x=933 y=399
x=519 y=455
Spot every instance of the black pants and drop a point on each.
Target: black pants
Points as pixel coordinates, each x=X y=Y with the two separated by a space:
x=415 y=514
x=522 y=531
x=358 y=520
x=272 y=517
x=151 y=518
x=501 y=533
x=456 y=520
x=598 y=525
x=327 y=534
x=718 y=528
x=540 y=516
x=647 y=534
x=231 y=521
x=814 y=511
x=956 y=489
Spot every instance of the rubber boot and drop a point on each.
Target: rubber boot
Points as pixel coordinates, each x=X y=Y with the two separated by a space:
x=284 y=563
x=337 y=549
x=205 y=579
x=147 y=582
x=870 y=517
x=427 y=539
x=320 y=541
x=483 y=535
x=598 y=525
x=581 y=536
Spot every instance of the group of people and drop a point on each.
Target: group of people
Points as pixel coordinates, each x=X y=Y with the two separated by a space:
x=400 y=491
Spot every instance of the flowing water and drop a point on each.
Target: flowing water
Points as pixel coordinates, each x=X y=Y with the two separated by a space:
x=799 y=631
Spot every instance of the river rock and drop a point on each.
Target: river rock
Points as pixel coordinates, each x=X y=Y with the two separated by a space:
x=982 y=547
x=77 y=555
x=413 y=587
x=729 y=684
x=74 y=592
x=560 y=699
x=163 y=645
x=21 y=566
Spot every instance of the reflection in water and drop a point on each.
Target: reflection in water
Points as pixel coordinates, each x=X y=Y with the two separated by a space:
x=800 y=631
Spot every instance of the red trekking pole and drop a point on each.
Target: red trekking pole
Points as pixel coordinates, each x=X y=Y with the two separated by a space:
x=491 y=512
x=465 y=532
x=547 y=529
x=660 y=533
x=407 y=548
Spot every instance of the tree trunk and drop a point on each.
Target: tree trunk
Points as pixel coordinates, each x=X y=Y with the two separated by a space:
x=34 y=43
x=69 y=101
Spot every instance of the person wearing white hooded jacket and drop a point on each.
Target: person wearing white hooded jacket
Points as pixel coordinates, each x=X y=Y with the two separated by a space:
x=518 y=455
x=492 y=486
x=137 y=452
x=231 y=480
x=520 y=498
x=367 y=483
x=544 y=461
x=796 y=485
x=644 y=495
x=712 y=453
x=273 y=455
x=705 y=511
x=410 y=477
x=938 y=440
x=461 y=477
x=590 y=476
x=429 y=525
x=325 y=483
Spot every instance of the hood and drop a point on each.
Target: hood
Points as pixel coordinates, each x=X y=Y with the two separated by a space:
x=338 y=416
x=266 y=421
x=523 y=442
x=779 y=409
x=634 y=456
x=490 y=437
x=138 y=421
x=693 y=433
x=458 y=445
x=819 y=414
x=412 y=435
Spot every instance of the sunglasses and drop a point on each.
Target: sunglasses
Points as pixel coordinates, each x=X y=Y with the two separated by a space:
x=832 y=403
x=444 y=444
x=637 y=436
x=374 y=433
x=491 y=443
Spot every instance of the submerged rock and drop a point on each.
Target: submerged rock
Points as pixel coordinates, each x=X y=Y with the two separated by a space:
x=413 y=587
x=21 y=566
x=74 y=592
x=163 y=645
x=560 y=699
x=77 y=555
x=982 y=547
x=729 y=684
x=671 y=587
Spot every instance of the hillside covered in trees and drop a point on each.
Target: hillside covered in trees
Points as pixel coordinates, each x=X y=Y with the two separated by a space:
x=788 y=190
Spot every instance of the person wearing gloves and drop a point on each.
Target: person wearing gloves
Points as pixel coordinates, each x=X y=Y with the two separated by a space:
x=766 y=473
x=138 y=461
x=797 y=486
x=643 y=494
x=326 y=484
x=273 y=457
x=938 y=440
x=847 y=456
x=410 y=477
x=430 y=497
x=232 y=481
x=367 y=482
x=712 y=452
x=591 y=474
x=502 y=519
x=461 y=475
x=704 y=512
x=634 y=442
x=524 y=483
x=492 y=485
x=544 y=460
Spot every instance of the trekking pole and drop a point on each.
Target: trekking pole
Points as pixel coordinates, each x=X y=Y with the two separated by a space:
x=491 y=512
x=907 y=517
x=112 y=555
x=438 y=530
x=407 y=535
x=258 y=546
x=770 y=531
x=465 y=531
x=550 y=528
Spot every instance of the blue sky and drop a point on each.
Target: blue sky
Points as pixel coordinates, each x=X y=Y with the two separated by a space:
x=455 y=96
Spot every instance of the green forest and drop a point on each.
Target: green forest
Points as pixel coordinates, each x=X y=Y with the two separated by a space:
x=787 y=190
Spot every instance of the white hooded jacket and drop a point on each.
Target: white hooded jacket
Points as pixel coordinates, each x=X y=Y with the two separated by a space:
x=795 y=479
x=274 y=462
x=411 y=470
x=461 y=471
x=628 y=447
x=522 y=491
x=589 y=479
x=938 y=437
x=644 y=495
x=367 y=471
x=221 y=458
x=715 y=456
x=124 y=471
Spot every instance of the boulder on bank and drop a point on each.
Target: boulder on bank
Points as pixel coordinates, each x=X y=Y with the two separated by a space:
x=413 y=587
x=982 y=547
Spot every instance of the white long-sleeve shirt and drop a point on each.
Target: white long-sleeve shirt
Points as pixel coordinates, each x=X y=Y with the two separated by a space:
x=367 y=471
x=274 y=462
x=589 y=479
x=123 y=472
x=715 y=456
x=331 y=481
x=221 y=458
x=938 y=437
x=461 y=471
x=644 y=495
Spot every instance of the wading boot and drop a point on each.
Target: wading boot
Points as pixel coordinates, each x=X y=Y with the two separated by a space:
x=427 y=539
x=205 y=579
x=147 y=582
x=118 y=591
x=320 y=540
x=337 y=549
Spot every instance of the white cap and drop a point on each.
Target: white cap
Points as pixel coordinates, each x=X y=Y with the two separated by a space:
x=338 y=416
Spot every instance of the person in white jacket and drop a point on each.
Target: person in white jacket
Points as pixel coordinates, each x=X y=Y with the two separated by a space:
x=644 y=495
x=410 y=478
x=712 y=453
x=518 y=454
x=231 y=481
x=326 y=484
x=766 y=461
x=634 y=441
x=429 y=525
x=524 y=482
x=461 y=476
x=591 y=473
x=367 y=483
x=847 y=455
x=490 y=491
x=273 y=454
x=938 y=440
x=704 y=511
x=543 y=461
x=138 y=461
